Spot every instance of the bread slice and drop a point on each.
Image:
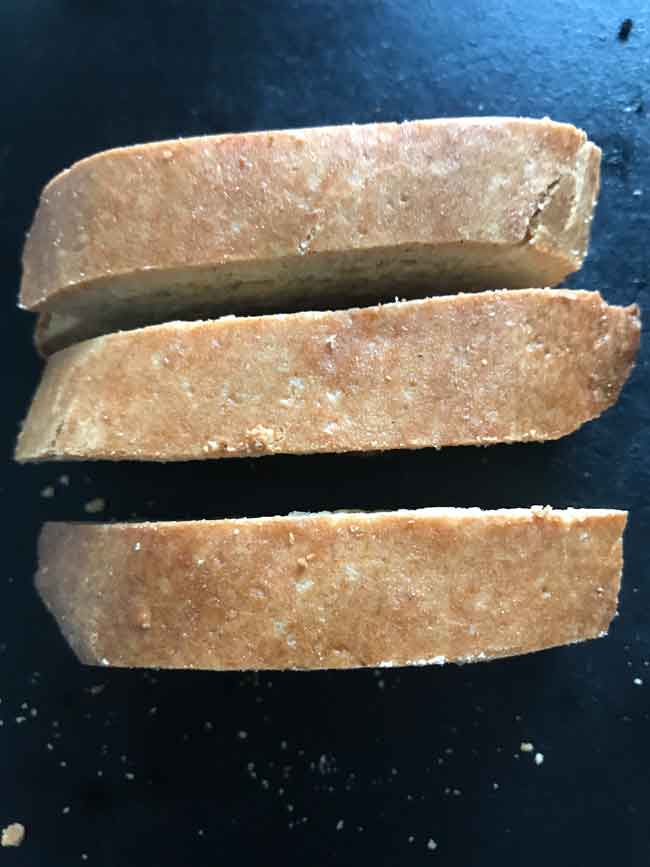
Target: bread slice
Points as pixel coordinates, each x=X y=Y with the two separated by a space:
x=332 y=590
x=467 y=369
x=275 y=221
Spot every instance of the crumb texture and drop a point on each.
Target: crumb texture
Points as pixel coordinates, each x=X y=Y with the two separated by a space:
x=267 y=221
x=332 y=590
x=478 y=368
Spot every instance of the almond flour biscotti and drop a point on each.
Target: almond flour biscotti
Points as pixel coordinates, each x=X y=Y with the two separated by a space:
x=272 y=221
x=468 y=369
x=332 y=590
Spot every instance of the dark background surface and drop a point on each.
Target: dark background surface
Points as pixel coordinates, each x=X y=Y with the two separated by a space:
x=130 y=768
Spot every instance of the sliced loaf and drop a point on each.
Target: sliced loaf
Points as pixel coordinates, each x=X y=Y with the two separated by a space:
x=332 y=590
x=302 y=219
x=467 y=369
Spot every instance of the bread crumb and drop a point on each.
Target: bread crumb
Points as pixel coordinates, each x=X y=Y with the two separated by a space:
x=539 y=758
x=95 y=506
x=129 y=775
x=242 y=735
x=47 y=492
x=302 y=563
x=97 y=688
x=260 y=437
x=526 y=747
x=638 y=681
x=13 y=835
x=292 y=539
x=339 y=825
x=432 y=845
x=64 y=480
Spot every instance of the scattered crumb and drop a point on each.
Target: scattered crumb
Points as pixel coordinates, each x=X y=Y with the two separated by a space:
x=292 y=538
x=495 y=786
x=47 y=492
x=411 y=838
x=526 y=747
x=129 y=776
x=539 y=758
x=64 y=480
x=97 y=688
x=13 y=835
x=95 y=506
x=65 y=811
x=339 y=825
x=638 y=681
x=302 y=563
x=242 y=735
x=432 y=845
x=20 y=719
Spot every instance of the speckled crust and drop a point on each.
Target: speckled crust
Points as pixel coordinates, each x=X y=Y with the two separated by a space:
x=468 y=369
x=271 y=220
x=332 y=590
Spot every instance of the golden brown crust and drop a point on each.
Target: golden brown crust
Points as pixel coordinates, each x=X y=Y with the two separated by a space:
x=467 y=369
x=260 y=220
x=332 y=590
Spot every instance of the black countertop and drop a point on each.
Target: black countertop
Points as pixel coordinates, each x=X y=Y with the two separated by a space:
x=126 y=768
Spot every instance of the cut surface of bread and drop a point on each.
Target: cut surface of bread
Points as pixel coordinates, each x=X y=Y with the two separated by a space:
x=325 y=217
x=477 y=369
x=342 y=590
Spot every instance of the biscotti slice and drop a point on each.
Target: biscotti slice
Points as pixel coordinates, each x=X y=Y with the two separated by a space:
x=306 y=219
x=343 y=590
x=466 y=369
